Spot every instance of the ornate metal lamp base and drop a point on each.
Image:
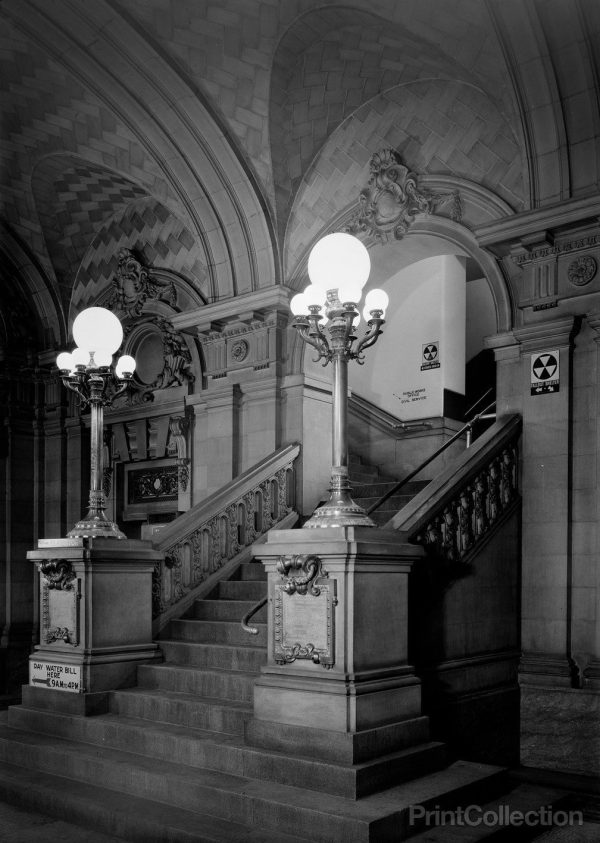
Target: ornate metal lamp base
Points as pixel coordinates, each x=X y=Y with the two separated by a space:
x=95 y=525
x=340 y=510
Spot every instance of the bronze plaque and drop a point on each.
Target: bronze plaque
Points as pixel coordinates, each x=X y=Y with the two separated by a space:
x=304 y=626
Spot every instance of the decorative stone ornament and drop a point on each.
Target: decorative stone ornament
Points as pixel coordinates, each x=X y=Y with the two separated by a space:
x=133 y=285
x=391 y=200
x=239 y=351
x=581 y=270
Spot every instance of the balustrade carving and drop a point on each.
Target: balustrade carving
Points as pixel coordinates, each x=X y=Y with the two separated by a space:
x=463 y=521
x=201 y=552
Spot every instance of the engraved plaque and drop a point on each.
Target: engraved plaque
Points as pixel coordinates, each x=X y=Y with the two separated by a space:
x=304 y=626
x=60 y=615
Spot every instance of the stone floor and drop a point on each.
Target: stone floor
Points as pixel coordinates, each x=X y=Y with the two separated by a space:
x=18 y=825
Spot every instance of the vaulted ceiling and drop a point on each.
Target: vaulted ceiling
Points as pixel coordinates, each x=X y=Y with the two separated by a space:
x=216 y=139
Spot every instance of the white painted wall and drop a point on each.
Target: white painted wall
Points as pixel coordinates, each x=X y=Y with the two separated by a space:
x=427 y=305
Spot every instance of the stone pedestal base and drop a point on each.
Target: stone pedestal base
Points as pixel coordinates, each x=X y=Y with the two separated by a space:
x=337 y=678
x=560 y=729
x=546 y=669
x=95 y=620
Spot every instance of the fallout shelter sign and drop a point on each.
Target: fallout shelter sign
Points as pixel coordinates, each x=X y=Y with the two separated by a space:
x=431 y=356
x=545 y=372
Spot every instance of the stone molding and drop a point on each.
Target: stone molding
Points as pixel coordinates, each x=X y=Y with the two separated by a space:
x=558 y=332
x=241 y=309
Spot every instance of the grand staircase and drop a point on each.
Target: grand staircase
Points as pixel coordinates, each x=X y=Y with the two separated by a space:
x=175 y=758
x=168 y=761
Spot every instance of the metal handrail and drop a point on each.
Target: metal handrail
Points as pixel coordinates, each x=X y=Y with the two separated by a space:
x=252 y=630
x=467 y=428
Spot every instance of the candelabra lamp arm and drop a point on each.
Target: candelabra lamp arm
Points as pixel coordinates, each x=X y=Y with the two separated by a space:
x=316 y=340
x=371 y=337
x=124 y=384
x=76 y=383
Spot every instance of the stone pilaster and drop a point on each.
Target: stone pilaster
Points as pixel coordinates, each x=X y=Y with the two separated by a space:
x=546 y=455
x=591 y=674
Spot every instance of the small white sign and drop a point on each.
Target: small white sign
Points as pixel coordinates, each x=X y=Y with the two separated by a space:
x=431 y=356
x=545 y=372
x=58 y=677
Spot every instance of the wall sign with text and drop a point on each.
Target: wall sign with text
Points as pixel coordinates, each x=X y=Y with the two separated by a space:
x=431 y=356
x=545 y=372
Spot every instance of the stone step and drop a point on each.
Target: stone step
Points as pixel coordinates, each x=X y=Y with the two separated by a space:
x=250 y=572
x=198 y=748
x=240 y=590
x=523 y=800
x=214 y=656
x=217 y=632
x=319 y=817
x=213 y=715
x=121 y=814
x=236 y=686
x=227 y=610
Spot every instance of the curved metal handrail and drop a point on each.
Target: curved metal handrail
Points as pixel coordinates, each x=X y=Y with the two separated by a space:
x=252 y=630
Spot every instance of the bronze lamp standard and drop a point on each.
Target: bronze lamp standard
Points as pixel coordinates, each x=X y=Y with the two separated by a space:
x=88 y=371
x=338 y=267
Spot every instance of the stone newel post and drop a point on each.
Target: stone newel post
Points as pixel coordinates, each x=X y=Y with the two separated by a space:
x=337 y=683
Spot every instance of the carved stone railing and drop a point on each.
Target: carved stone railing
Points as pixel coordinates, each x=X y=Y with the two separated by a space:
x=201 y=541
x=458 y=510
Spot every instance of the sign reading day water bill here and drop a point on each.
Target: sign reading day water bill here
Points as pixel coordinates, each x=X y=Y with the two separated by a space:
x=56 y=676
x=545 y=372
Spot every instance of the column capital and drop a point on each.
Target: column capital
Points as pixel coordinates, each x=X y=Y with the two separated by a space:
x=557 y=332
x=505 y=346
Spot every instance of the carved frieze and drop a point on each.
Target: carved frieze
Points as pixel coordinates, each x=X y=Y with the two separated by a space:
x=391 y=200
x=152 y=484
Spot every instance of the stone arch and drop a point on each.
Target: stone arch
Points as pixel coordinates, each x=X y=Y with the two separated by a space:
x=331 y=61
x=19 y=269
x=405 y=119
x=427 y=236
x=177 y=130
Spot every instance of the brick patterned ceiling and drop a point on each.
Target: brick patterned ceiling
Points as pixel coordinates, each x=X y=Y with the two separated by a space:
x=150 y=230
x=107 y=110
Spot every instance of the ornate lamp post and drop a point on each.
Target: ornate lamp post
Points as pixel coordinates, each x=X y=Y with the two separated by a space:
x=88 y=371
x=339 y=267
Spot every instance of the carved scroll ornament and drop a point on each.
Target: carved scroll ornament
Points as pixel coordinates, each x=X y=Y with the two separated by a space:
x=133 y=285
x=392 y=199
x=57 y=574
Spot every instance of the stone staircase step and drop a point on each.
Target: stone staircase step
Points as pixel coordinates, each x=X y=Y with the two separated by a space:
x=523 y=799
x=217 y=751
x=250 y=572
x=319 y=817
x=120 y=814
x=217 y=632
x=214 y=656
x=190 y=710
x=245 y=590
x=238 y=685
x=227 y=610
